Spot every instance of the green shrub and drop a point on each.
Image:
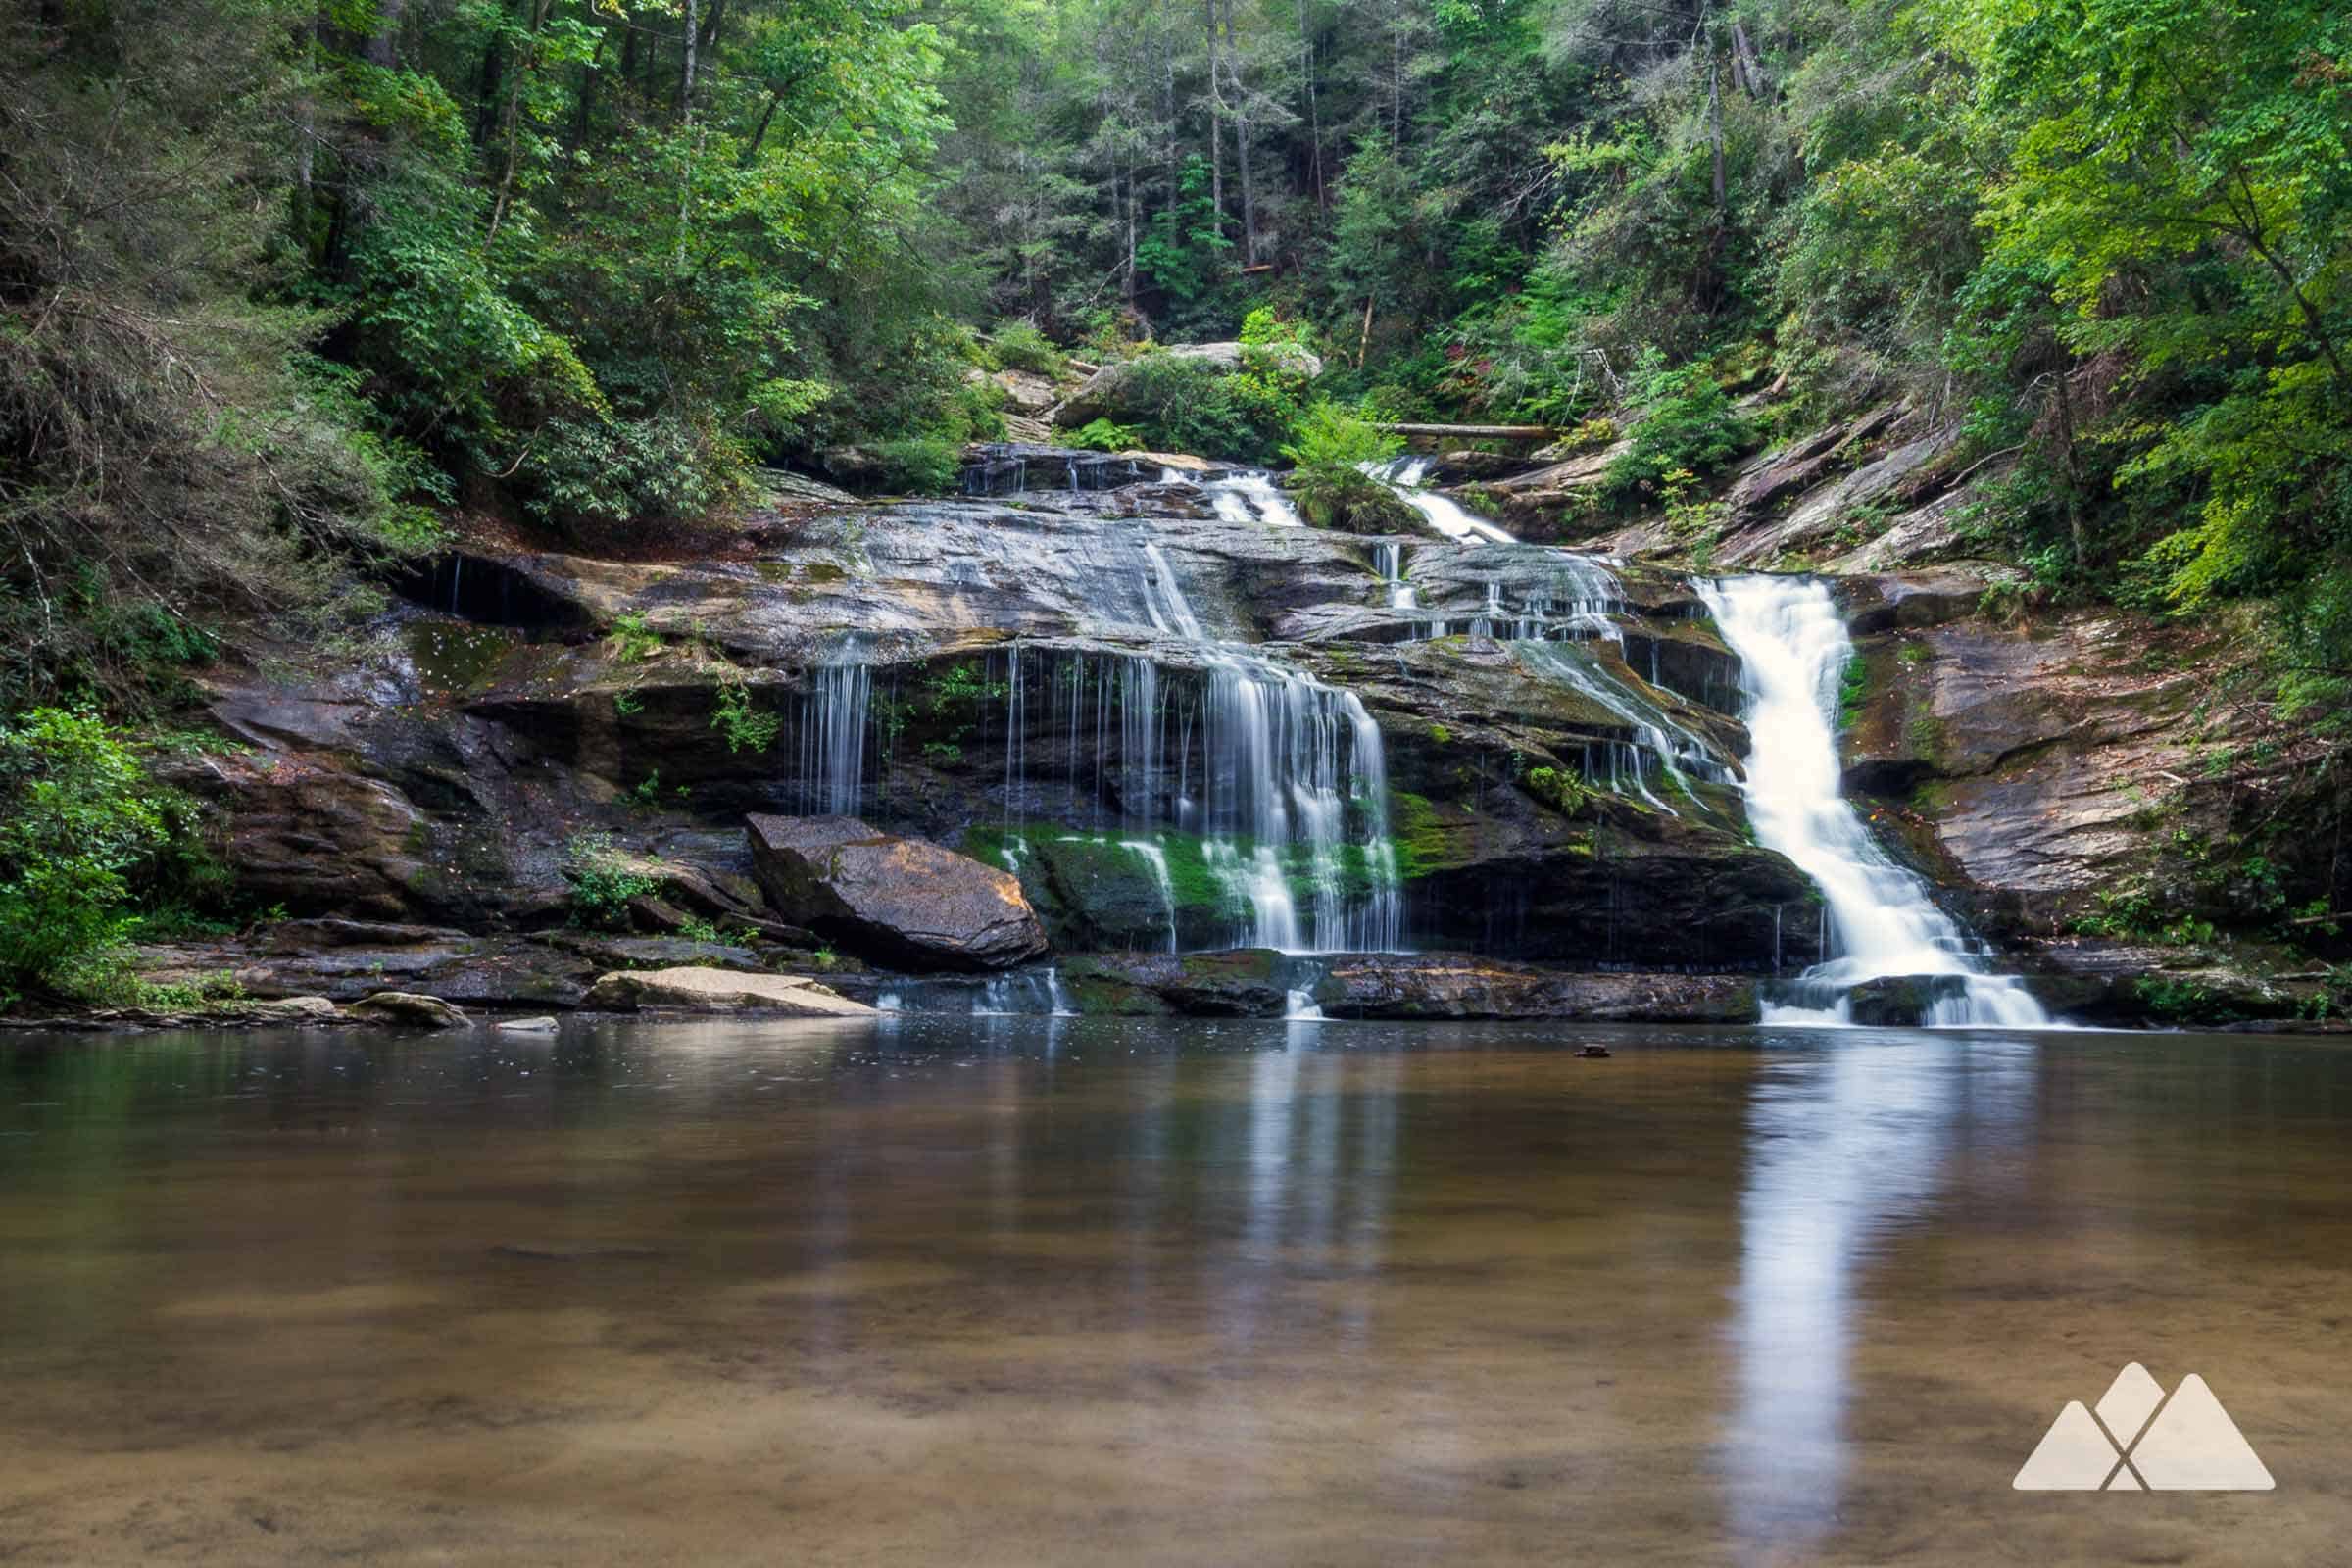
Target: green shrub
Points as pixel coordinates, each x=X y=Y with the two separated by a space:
x=1101 y=435
x=746 y=727
x=603 y=881
x=1183 y=405
x=78 y=814
x=1330 y=447
x=1686 y=424
x=631 y=640
x=1564 y=792
x=918 y=466
x=1020 y=346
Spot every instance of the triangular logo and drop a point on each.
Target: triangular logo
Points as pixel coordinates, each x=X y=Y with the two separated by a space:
x=2191 y=1444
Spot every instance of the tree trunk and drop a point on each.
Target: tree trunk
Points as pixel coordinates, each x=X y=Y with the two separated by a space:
x=1314 y=115
x=1127 y=287
x=381 y=48
x=1240 y=126
x=1217 y=121
x=1714 y=135
x=685 y=123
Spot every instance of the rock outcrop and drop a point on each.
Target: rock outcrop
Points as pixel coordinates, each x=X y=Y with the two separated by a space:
x=697 y=990
x=408 y=1009
x=897 y=900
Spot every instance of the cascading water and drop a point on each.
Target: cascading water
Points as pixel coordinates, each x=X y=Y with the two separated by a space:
x=1280 y=780
x=832 y=758
x=1389 y=558
x=1404 y=475
x=1793 y=649
x=1661 y=743
x=1253 y=498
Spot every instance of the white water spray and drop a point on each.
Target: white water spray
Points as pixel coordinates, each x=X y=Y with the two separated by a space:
x=1404 y=475
x=1793 y=651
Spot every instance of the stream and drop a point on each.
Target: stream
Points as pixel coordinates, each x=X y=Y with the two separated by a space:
x=1019 y=1289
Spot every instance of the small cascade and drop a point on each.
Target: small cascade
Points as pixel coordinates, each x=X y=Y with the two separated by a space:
x=1795 y=648
x=1024 y=993
x=1253 y=498
x=1299 y=1007
x=1404 y=475
x=1388 y=557
x=1663 y=747
x=832 y=761
x=1155 y=858
x=1275 y=782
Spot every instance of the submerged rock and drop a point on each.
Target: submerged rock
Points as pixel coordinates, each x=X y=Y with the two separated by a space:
x=898 y=901
x=693 y=990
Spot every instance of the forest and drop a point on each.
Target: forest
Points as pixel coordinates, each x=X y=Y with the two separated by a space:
x=295 y=292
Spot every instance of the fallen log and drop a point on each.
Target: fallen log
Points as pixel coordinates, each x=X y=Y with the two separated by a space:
x=1476 y=432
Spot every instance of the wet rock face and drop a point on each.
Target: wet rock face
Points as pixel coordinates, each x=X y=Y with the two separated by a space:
x=898 y=901
x=2038 y=766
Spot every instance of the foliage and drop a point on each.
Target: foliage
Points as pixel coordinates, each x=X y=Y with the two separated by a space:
x=1564 y=792
x=918 y=466
x=631 y=640
x=1685 y=426
x=1331 y=447
x=1182 y=405
x=1020 y=346
x=603 y=881
x=1101 y=435
x=747 y=727
x=78 y=817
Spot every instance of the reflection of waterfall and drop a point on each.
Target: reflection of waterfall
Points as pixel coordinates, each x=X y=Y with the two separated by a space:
x=832 y=775
x=1404 y=475
x=1846 y=1145
x=1793 y=651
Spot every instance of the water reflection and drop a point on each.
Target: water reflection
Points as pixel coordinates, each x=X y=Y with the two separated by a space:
x=1848 y=1146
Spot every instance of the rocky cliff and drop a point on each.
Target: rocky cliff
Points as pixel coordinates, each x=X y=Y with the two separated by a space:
x=1175 y=723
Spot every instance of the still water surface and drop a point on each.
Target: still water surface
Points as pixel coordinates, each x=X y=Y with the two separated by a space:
x=1021 y=1290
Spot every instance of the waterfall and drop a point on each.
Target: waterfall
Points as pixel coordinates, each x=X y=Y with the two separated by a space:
x=832 y=776
x=1285 y=761
x=1156 y=858
x=1388 y=557
x=1253 y=498
x=1661 y=740
x=1793 y=651
x=1404 y=475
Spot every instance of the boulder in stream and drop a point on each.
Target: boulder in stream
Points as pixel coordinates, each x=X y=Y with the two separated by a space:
x=898 y=901
x=408 y=1009
x=697 y=990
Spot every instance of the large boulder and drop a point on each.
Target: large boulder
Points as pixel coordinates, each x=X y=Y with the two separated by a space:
x=408 y=1009
x=898 y=900
x=698 y=990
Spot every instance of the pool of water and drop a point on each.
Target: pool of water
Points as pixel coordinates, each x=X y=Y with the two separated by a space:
x=1022 y=1291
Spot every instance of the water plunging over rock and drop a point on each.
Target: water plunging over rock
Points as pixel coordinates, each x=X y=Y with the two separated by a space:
x=1795 y=648
x=1253 y=498
x=1404 y=475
